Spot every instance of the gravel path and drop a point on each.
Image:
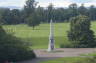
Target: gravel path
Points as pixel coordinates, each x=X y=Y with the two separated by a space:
x=43 y=55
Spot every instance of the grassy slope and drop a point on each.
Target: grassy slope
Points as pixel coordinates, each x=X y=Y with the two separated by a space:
x=72 y=60
x=90 y=54
x=40 y=36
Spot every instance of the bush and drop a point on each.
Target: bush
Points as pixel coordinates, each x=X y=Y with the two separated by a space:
x=80 y=33
x=13 y=49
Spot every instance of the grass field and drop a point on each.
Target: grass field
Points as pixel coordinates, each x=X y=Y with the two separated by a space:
x=40 y=36
x=90 y=54
x=72 y=60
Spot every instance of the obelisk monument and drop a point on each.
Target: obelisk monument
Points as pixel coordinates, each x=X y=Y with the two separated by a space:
x=51 y=37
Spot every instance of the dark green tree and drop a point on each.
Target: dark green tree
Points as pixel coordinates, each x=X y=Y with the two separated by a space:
x=92 y=12
x=80 y=33
x=33 y=20
x=73 y=10
x=30 y=6
x=40 y=12
x=5 y=13
x=15 y=16
x=60 y=14
x=50 y=11
x=83 y=10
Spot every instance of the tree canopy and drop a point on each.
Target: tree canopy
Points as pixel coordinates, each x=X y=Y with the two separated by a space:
x=80 y=33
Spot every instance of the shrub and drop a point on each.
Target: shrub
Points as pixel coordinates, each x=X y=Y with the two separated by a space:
x=80 y=33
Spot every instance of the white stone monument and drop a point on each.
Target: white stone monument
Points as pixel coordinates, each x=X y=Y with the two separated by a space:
x=51 y=37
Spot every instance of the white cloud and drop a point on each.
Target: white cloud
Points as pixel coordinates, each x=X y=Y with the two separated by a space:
x=62 y=3
x=66 y=3
x=56 y=3
x=93 y=2
x=45 y=3
x=17 y=3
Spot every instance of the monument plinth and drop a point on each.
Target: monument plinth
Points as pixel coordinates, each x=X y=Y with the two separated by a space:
x=51 y=37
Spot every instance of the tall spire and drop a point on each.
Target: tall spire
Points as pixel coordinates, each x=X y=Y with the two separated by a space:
x=51 y=37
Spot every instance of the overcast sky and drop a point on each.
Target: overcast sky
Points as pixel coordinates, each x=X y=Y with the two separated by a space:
x=44 y=3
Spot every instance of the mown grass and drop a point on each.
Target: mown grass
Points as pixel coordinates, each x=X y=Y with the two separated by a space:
x=89 y=55
x=72 y=60
x=40 y=36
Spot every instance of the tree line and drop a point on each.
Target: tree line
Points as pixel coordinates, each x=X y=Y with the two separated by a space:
x=33 y=15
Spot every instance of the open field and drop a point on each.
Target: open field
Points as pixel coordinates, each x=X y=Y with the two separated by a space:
x=40 y=36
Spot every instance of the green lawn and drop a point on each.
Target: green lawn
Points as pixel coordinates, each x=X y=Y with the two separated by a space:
x=72 y=60
x=90 y=54
x=40 y=36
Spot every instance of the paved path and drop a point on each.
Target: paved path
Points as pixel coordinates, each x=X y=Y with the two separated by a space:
x=43 y=55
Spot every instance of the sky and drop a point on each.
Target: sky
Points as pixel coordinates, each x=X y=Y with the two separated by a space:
x=45 y=3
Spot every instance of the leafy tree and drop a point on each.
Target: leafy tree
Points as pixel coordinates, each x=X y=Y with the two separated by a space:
x=40 y=12
x=50 y=12
x=92 y=12
x=1 y=19
x=83 y=10
x=73 y=10
x=15 y=17
x=30 y=6
x=60 y=14
x=5 y=15
x=33 y=20
x=80 y=33
x=8 y=16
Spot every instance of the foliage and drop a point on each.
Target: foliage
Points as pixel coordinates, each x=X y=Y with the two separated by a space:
x=16 y=16
x=80 y=33
x=33 y=20
x=50 y=12
x=29 y=8
x=13 y=49
x=83 y=10
x=73 y=10
x=92 y=12
x=8 y=16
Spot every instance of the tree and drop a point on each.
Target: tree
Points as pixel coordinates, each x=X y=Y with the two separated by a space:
x=60 y=14
x=73 y=10
x=92 y=12
x=40 y=13
x=30 y=6
x=80 y=33
x=15 y=17
x=1 y=19
x=33 y=20
x=50 y=12
x=83 y=10
x=5 y=15
x=8 y=16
